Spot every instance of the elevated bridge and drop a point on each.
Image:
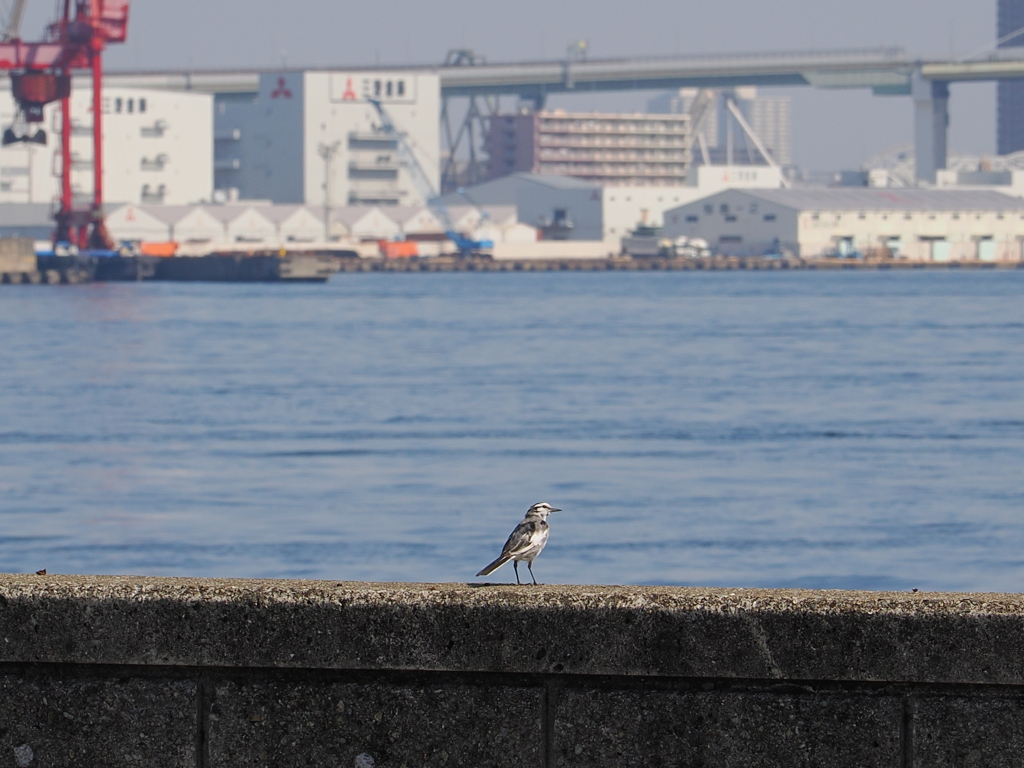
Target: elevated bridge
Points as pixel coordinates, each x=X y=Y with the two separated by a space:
x=887 y=72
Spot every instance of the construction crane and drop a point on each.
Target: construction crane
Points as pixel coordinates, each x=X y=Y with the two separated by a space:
x=700 y=108
x=465 y=245
x=41 y=74
x=742 y=121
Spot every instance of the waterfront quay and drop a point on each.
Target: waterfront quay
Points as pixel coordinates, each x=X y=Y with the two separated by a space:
x=642 y=263
x=264 y=268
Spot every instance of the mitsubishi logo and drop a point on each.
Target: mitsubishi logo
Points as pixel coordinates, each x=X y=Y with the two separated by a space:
x=350 y=92
x=281 y=91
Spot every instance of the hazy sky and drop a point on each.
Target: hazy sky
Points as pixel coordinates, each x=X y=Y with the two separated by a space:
x=831 y=129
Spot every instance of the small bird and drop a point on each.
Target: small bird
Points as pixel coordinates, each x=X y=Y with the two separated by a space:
x=525 y=542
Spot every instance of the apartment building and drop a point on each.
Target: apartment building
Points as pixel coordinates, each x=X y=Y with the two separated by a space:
x=601 y=148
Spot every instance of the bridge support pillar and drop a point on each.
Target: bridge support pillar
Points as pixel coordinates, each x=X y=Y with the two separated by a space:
x=931 y=126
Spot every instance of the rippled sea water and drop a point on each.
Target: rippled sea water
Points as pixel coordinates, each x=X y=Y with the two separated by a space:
x=848 y=430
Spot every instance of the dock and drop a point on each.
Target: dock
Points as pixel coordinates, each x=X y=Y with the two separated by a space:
x=645 y=263
x=318 y=268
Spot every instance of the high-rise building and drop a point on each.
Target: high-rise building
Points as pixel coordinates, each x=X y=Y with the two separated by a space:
x=1010 y=132
x=770 y=116
x=618 y=149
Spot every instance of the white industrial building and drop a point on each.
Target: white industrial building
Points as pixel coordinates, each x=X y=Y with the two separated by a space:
x=913 y=223
x=313 y=138
x=157 y=148
x=595 y=212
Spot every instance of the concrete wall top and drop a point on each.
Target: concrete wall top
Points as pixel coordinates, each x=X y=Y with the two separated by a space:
x=632 y=631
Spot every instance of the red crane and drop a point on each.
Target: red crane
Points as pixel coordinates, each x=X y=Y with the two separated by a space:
x=41 y=74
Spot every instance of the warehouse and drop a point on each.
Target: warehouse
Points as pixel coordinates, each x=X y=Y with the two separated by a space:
x=201 y=228
x=586 y=211
x=912 y=223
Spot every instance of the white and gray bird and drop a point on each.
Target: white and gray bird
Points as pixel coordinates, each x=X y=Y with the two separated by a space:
x=525 y=542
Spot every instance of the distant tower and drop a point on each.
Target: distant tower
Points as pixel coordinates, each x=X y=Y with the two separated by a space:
x=1011 y=92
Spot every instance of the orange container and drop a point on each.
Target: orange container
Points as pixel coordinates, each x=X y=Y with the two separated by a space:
x=158 y=249
x=399 y=249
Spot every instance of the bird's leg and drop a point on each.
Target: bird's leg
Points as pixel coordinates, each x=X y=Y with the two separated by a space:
x=515 y=564
x=529 y=564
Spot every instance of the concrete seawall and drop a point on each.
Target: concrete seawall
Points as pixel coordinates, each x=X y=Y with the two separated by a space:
x=180 y=672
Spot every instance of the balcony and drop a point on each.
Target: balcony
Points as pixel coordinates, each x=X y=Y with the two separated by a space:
x=154 y=131
x=371 y=142
x=153 y=195
x=158 y=163
x=373 y=171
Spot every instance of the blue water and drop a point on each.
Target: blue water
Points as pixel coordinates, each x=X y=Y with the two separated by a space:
x=853 y=430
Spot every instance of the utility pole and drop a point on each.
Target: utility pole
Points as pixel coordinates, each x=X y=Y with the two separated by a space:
x=327 y=152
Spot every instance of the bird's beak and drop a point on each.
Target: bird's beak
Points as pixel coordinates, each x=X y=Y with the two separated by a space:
x=555 y=510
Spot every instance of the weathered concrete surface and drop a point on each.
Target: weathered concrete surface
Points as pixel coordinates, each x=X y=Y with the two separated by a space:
x=307 y=724
x=49 y=721
x=17 y=255
x=982 y=732
x=656 y=631
x=642 y=729
x=120 y=671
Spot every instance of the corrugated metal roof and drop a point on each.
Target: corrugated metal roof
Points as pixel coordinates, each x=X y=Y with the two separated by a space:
x=888 y=199
x=26 y=214
x=558 y=182
x=541 y=179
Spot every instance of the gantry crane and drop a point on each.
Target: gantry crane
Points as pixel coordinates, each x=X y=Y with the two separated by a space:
x=41 y=73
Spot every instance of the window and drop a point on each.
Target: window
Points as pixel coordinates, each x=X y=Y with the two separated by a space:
x=709 y=208
x=131 y=106
x=724 y=208
x=388 y=87
x=401 y=87
x=691 y=219
x=142 y=105
x=730 y=218
x=769 y=217
x=376 y=88
x=118 y=105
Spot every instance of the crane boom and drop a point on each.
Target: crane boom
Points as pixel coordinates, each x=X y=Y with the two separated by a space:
x=424 y=187
x=12 y=30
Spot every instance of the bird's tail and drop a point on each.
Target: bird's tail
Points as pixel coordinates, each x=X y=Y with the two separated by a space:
x=495 y=565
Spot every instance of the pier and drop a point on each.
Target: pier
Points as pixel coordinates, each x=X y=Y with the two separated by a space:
x=642 y=263
x=57 y=270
